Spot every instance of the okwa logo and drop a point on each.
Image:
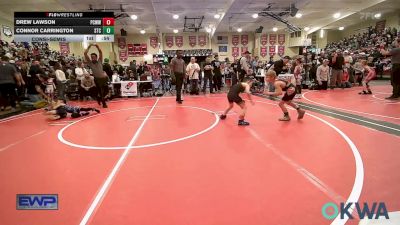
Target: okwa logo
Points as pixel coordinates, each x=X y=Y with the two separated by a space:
x=330 y=210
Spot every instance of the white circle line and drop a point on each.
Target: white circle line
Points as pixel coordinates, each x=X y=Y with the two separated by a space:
x=359 y=177
x=62 y=139
x=349 y=110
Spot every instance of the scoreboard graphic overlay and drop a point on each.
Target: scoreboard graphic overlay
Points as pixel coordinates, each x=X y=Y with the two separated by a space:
x=64 y=26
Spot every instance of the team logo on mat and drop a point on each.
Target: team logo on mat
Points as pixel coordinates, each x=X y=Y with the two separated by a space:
x=35 y=202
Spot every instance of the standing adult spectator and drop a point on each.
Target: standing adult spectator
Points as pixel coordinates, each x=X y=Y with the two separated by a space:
x=100 y=77
x=244 y=66
x=192 y=70
x=35 y=68
x=8 y=79
x=395 y=74
x=337 y=62
x=235 y=67
x=208 y=79
x=281 y=65
x=178 y=70
x=322 y=75
x=107 y=68
x=217 y=73
x=118 y=67
x=61 y=81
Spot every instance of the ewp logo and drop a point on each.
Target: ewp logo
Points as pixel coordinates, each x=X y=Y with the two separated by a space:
x=330 y=210
x=26 y=202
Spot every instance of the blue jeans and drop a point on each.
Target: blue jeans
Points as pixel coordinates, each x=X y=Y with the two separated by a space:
x=32 y=99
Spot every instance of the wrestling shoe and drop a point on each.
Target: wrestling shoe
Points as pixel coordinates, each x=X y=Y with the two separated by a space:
x=243 y=123
x=222 y=117
x=285 y=118
x=301 y=114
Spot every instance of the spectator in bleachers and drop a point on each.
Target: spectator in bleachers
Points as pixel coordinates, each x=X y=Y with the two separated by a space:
x=80 y=71
x=88 y=87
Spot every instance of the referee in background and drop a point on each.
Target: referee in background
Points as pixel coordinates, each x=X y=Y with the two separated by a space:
x=178 y=70
x=395 y=75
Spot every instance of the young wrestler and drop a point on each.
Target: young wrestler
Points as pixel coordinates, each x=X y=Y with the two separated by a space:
x=233 y=97
x=280 y=86
x=369 y=75
x=59 y=110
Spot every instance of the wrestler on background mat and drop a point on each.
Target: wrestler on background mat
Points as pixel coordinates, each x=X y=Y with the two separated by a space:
x=59 y=110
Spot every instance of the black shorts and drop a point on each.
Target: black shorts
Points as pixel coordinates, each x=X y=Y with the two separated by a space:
x=235 y=98
x=287 y=97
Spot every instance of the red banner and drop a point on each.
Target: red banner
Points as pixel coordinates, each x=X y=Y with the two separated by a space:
x=121 y=43
x=235 y=40
x=64 y=48
x=179 y=41
x=245 y=39
x=137 y=49
x=272 y=39
x=202 y=40
x=169 y=41
x=192 y=41
x=244 y=49
x=272 y=51
x=263 y=51
x=131 y=50
x=264 y=39
x=144 y=49
x=235 y=51
x=123 y=55
x=281 y=50
x=281 y=39
x=154 y=42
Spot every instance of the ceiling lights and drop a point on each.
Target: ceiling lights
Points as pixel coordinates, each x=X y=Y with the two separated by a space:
x=299 y=15
x=274 y=29
x=378 y=15
x=142 y=31
x=239 y=30
x=217 y=16
x=176 y=31
x=176 y=16
x=255 y=15
x=341 y=28
x=134 y=17
x=306 y=28
x=336 y=15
